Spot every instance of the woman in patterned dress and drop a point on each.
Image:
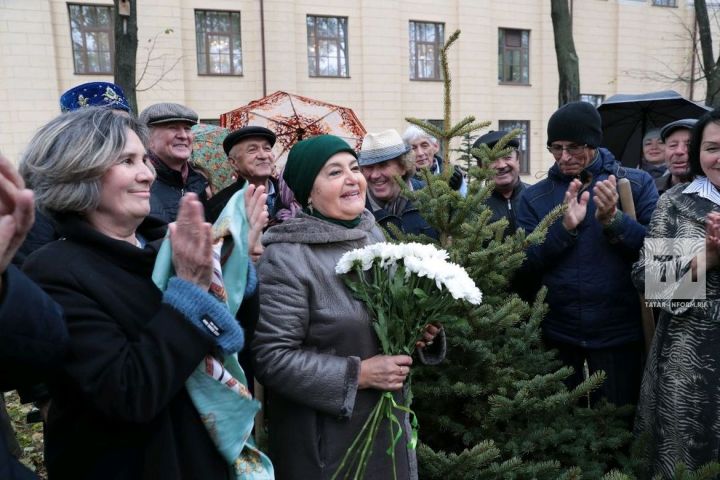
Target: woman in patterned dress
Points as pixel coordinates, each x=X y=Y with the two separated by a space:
x=679 y=407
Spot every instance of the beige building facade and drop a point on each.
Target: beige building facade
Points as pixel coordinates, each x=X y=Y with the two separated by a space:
x=503 y=67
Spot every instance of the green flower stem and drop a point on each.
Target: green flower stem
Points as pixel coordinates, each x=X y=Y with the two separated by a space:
x=353 y=451
x=372 y=433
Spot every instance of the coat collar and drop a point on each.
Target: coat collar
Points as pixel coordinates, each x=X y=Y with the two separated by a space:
x=311 y=230
x=73 y=227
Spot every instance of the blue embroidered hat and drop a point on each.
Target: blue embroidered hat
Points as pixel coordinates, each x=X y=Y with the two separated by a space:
x=94 y=94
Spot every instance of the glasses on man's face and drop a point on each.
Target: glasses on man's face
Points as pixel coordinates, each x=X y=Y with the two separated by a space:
x=557 y=150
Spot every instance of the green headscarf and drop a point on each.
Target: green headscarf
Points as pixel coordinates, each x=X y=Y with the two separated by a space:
x=306 y=159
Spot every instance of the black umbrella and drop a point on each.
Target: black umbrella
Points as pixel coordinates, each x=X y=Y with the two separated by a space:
x=626 y=118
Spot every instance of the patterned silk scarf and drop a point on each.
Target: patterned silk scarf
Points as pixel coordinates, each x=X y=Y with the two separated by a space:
x=218 y=386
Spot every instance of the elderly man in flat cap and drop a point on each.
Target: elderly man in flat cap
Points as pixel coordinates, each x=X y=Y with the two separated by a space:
x=676 y=137
x=505 y=196
x=169 y=147
x=249 y=151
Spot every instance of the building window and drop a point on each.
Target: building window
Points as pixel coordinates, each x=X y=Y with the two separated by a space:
x=91 y=32
x=592 y=98
x=523 y=140
x=665 y=3
x=426 y=40
x=514 y=56
x=217 y=36
x=327 y=46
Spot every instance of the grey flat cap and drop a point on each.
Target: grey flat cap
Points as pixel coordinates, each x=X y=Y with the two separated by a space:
x=668 y=129
x=167 y=112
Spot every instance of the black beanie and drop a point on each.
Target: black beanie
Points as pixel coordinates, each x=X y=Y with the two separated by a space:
x=576 y=122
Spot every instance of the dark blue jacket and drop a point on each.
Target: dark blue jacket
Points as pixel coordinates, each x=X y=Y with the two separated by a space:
x=592 y=300
x=506 y=207
x=33 y=339
x=408 y=221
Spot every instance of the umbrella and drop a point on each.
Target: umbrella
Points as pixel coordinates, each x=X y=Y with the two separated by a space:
x=208 y=154
x=294 y=118
x=626 y=118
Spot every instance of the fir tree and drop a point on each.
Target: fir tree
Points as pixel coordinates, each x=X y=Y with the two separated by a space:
x=465 y=157
x=497 y=407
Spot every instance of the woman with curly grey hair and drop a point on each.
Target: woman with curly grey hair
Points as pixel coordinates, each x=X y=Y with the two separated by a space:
x=120 y=408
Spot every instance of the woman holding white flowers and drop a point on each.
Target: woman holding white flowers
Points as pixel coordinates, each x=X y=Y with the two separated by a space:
x=314 y=348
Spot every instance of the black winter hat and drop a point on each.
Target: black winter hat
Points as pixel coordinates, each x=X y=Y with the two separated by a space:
x=235 y=137
x=576 y=122
x=494 y=136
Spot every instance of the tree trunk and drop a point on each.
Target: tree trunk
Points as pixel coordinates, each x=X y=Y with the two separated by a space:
x=126 y=42
x=567 y=59
x=708 y=63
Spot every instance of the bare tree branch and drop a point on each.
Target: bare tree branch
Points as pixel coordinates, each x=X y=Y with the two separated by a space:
x=162 y=75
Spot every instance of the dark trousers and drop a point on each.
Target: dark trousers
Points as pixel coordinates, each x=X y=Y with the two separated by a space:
x=622 y=365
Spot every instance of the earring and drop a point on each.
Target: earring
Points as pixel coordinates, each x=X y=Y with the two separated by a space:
x=310 y=207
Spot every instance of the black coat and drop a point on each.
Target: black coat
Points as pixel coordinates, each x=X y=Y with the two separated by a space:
x=506 y=207
x=120 y=409
x=169 y=187
x=33 y=338
x=42 y=232
x=214 y=206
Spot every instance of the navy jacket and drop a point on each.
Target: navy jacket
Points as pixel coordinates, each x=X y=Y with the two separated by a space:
x=506 y=207
x=408 y=221
x=593 y=302
x=33 y=339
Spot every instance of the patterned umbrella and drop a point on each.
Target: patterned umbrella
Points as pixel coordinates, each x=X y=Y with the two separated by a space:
x=208 y=154
x=294 y=118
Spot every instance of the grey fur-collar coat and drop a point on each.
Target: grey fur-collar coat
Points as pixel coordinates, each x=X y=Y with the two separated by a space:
x=310 y=340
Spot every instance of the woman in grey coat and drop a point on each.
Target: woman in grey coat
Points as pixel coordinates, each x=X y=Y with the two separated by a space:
x=679 y=407
x=314 y=347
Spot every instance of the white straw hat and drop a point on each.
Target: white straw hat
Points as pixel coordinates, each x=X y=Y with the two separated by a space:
x=380 y=147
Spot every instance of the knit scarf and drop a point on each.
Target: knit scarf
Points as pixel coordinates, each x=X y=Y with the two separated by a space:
x=343 y=223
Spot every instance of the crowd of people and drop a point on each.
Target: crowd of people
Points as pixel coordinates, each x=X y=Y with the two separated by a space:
x=110 y=356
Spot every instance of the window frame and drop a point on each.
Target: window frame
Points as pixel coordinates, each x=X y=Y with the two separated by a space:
x=340 y=45
x=524 y=52
x=597 y=98
x=84 y=53
x=665 y=3
x=207 y=53
x=413 y=42
x=523 y=139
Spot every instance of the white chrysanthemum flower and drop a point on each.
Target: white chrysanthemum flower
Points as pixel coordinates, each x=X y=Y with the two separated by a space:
x=345 y=264
x=425 y=261
x=360 y=256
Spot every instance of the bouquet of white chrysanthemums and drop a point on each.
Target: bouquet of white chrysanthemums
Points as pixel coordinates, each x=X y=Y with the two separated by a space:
x=405 y=286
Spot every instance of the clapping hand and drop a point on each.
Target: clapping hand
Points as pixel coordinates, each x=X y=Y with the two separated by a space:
x=191 y=239
x=605 y=196
x=712 y=239
x=576 y=207
x=17 y=212
x=257 y=215
x=456 y=179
